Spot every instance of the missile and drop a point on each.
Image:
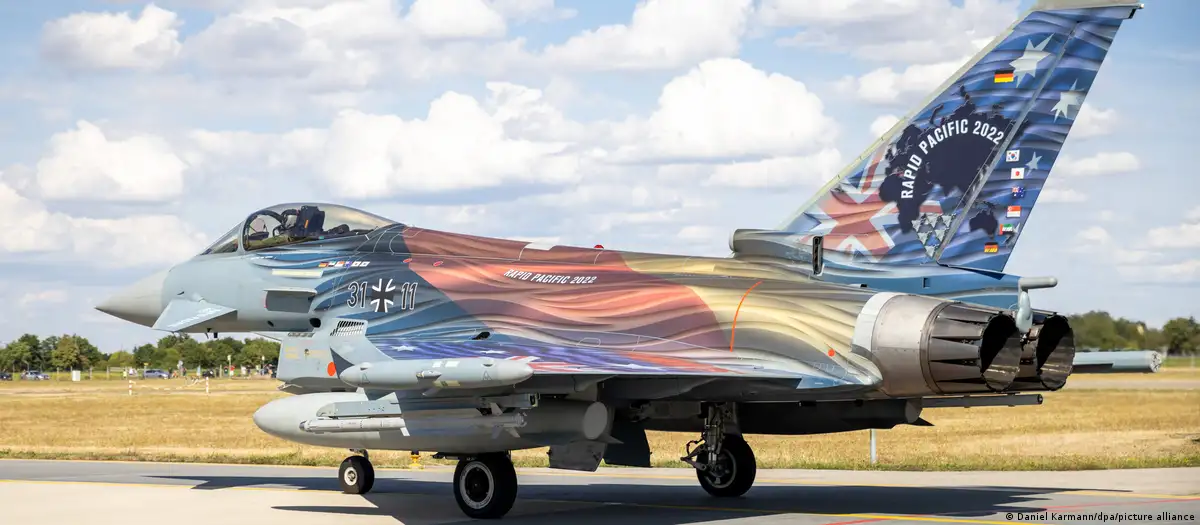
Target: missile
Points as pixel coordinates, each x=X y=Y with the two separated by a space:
x=504 y=421
x=467 y=372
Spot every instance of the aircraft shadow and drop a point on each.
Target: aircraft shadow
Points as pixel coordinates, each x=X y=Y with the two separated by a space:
x=409 y=501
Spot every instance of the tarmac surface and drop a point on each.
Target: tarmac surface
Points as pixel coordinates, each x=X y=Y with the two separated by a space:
x=132 y=493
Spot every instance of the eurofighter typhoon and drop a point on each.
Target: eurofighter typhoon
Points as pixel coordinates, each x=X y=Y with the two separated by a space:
x=883 y=295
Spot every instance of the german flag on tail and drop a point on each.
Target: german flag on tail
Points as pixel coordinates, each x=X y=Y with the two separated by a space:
x=1004 y=76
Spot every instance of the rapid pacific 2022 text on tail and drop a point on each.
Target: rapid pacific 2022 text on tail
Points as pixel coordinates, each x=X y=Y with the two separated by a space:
x=883 y=295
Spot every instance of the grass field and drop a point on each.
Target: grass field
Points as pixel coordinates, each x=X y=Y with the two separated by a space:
x=1074 y=429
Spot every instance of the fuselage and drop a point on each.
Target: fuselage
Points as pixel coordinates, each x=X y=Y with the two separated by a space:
x=417 y=284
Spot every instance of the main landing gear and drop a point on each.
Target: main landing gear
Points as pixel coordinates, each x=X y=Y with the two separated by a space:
x=485 y=486
x=724 y=462
x=356 y=474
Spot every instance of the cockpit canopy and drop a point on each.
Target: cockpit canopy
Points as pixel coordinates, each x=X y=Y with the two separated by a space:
x=295 y=223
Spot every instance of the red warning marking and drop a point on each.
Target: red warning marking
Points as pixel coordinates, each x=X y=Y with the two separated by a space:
x=831 y=352
x=733 y=331
x=438 y=263
x=331 y=370
x=599 y=247
x=408 y=260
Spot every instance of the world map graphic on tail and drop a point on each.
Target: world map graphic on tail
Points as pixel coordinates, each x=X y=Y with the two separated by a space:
x=954 y=182
x=946 y=154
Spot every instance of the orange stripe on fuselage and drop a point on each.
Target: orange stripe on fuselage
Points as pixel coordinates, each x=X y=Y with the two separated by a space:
x=733 y=332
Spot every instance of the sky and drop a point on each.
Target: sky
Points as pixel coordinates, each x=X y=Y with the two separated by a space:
x=134 y=134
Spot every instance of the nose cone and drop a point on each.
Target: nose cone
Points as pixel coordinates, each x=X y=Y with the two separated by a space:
x=140 y=303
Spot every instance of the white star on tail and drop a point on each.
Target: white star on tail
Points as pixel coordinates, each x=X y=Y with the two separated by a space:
x=1066 y=99
x=1028 y=63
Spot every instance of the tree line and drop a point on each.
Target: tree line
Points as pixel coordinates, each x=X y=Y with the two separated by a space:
x=1093 y=330
x=75 y=352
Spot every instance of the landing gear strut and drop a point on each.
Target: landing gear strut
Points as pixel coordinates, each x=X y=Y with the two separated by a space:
x=724 y=462
x=356 y=475
x=485 y=486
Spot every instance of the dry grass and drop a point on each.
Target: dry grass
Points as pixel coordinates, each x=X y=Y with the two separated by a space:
x=1072 y=430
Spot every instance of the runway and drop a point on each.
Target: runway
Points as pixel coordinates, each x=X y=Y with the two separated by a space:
x=131 y=493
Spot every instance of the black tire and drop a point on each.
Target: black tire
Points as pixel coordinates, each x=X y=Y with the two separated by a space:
x=356 y=475
x=739 y=470
x=485 y=487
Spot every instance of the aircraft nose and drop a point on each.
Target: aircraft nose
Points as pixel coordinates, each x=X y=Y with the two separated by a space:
x=140 y=303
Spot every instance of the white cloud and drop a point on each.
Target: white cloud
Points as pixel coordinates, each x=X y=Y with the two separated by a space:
x=886 y=86
x=1183 y=236
x=1184 y=272
x=1097 y=240
x=1096 y=165
x=326 y=47
x=776 y=172
x=1194 y=215
x=43 y=296
x=113 y=41
x=131 y=241
x=522 y=10
x=461 y=144
x=661 y=34
x=451 y=19
x=725 y=108
x=882 y=124
x=1093 y=122
x=1060 y=195
x=85 y=163
x=698 y=233
x=914 y=31
x=1093 y=235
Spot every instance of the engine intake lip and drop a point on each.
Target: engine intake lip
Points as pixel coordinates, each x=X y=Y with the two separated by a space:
x=1000 y=352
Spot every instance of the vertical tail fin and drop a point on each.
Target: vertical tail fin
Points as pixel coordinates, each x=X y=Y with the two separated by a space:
x=954 y=182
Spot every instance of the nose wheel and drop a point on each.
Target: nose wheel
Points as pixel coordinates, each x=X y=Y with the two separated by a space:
x=485 y=486
x=356 y=475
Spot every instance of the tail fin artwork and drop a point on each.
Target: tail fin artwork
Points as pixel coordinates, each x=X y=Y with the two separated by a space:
x=954 y=183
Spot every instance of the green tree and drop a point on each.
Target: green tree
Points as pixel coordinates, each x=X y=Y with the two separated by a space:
x=172 y=341
x=195 y=354
x=16 y=355
x=143 y=354
x=89 y=355
x=41 y=358
x=122 y=359
x=256 y=352
x=34 y=345
x=1182 y=335
x=66 y=355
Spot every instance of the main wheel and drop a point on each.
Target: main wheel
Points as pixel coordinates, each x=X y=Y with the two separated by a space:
x=734 y=471
x=356 y=475
x=486 y=486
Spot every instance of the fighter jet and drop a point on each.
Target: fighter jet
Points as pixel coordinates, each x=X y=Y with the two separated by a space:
x=882 y=296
